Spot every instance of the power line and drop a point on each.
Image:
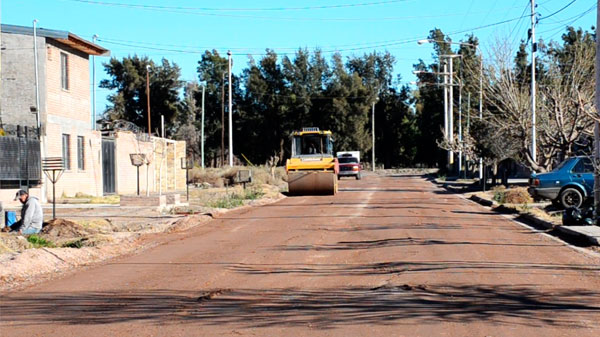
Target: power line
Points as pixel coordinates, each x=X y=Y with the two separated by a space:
x=572 y=17
x=558 y=11
x=224 y=9
x=575 y=18
x=190 y=12
x=333 y=50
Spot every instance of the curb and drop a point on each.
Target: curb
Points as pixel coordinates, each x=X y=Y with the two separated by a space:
x=595 y=240
x=482 y=201
x=526 y=217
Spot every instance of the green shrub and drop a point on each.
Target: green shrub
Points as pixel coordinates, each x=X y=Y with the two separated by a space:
x=234 y=199
x=73 y=244
x=499 y=194
x=229 y=201
x=38 y=241
x=253 y=194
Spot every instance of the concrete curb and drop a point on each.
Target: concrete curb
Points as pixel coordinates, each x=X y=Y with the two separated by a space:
x=588 y=232
x=591 y=233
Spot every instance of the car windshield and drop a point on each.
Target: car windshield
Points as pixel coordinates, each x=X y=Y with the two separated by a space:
x=346 y=160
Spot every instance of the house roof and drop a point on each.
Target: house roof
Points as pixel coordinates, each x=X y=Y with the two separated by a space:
x=61 y=36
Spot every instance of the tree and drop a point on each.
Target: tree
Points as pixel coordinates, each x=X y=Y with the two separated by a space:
x=564 y=104
x=130 y=100
x=213 y=72
x=186 y=121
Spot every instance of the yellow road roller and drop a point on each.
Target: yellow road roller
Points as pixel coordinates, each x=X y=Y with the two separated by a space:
x=312 y=169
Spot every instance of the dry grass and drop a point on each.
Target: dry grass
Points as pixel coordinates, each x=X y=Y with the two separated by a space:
x=515 y=196
x=89 y=199
x=218 y=177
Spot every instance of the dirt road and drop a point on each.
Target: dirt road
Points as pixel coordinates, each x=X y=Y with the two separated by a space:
x=387 y=256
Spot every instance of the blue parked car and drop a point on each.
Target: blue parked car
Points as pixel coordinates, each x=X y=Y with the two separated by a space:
x=569 y=184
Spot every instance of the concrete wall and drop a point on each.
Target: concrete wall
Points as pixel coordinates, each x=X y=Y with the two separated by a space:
x=164 y=172
x=18 y=78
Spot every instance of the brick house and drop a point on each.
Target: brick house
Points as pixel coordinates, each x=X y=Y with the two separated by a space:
x=96 y=163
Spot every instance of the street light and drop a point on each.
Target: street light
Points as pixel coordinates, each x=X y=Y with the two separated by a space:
x=476 y=46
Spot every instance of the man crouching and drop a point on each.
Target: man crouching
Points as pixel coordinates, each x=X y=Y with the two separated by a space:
x=32 y=216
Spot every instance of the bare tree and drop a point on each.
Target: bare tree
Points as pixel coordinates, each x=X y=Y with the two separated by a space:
x=564 y=107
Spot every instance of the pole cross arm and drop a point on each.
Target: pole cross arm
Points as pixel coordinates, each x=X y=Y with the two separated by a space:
x=51 y=165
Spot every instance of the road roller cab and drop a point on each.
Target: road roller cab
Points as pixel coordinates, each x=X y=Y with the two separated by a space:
x=312 y=169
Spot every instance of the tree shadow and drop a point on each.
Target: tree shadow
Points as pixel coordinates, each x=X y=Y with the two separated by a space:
x=324 y=308
x=401 y=242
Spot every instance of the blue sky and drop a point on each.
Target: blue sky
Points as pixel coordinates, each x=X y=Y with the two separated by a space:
x=181 y=30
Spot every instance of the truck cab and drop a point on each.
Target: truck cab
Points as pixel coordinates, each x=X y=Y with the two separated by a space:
x=349 y=164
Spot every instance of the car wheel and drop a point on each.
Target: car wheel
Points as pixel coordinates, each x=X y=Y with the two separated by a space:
x=339 y=177
x=358 y=176
x=571 y=197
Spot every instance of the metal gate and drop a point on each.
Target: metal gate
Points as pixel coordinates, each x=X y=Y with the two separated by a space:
x=20 y=163
x=108 y=166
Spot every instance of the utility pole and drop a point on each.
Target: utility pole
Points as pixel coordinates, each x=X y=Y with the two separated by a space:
x=533 y=50
x=480 y=105
x=37 y=105
x=597 y=125
x=373 y=134
x=451 y=114
x=202 y=128
x=148 y=97
x=37 y=82
x=460 y=168
x=230 y=114
x=223 y=120
x=467 y=131
x=446 y=99
x=94 y=38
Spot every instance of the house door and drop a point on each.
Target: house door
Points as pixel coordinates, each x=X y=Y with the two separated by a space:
x=108 y=166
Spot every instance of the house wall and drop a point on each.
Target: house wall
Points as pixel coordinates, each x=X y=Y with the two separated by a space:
x=18 y=79
x=69 y=113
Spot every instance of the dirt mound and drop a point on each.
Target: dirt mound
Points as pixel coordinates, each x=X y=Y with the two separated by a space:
x=61 y=228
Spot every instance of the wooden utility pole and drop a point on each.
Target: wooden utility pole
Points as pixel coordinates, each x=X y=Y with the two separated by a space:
x=148 y=96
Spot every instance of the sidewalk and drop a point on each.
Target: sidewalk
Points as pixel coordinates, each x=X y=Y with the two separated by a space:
x=588 y=233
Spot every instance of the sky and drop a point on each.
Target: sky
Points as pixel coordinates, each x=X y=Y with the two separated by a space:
x=181 y=30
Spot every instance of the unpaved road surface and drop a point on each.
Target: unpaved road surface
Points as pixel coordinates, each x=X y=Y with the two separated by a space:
x=387 y=256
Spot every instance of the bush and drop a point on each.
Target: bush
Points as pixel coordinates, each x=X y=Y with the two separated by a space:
x=499 y=194
x=518 y=195
x=234 y=199
x=209 y=175
x=228 y=201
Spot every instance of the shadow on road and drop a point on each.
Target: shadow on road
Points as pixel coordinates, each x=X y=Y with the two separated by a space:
x=324 y=308
x=400 y=242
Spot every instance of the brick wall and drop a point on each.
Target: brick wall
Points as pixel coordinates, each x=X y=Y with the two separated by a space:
x=18 y=78
x=69 y=112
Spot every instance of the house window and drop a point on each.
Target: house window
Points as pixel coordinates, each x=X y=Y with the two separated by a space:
x=64 y=71
x=80 y=153
x=66 y=151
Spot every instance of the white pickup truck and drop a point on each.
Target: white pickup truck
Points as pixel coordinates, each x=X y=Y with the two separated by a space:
x=349 y=164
